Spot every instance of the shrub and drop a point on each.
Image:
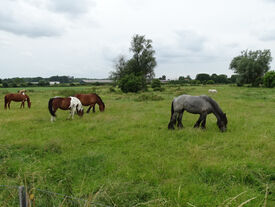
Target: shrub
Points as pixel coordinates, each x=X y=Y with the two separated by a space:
x=210 y=82
x=269 y=79
x=156 y=83
x=112 y=89
x=130 y=83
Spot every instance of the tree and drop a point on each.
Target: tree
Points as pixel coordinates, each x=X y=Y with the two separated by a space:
x=269 y=79
x=251 y=66
x=163 y=77
x=233 y=78
x=140 y=65
x=203 y=77
x=221 y=79
x=214 y=77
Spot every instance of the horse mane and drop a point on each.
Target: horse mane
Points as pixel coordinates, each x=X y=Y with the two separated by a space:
x=100 y=100
x=214 y=104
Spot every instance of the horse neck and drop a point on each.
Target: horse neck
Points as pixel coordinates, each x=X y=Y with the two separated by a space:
x=217 y=111
x=99 y=101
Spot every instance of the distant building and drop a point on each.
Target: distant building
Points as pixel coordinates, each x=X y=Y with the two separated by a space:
x=54 y=83
x=34 y=83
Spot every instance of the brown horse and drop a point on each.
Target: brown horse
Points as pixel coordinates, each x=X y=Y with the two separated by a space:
x=71 y=103
x=90 y=100
x=17 y=97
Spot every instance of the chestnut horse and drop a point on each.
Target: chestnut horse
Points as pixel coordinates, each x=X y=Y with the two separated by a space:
x=71 y=103
x=17 y=97
x=90 y=100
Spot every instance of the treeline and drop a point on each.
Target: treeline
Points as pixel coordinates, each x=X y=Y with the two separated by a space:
x=204 y=78
x=39 y=81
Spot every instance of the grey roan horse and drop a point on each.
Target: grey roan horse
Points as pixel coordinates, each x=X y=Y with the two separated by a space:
x=202 y=105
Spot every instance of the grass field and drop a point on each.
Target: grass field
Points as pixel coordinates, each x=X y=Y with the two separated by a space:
x=126 y=156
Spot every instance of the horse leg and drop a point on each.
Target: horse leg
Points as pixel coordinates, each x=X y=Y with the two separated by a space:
x=89 y=109
x=197 y=124
x=203 y=122
x=53 y=118
x=72 y=112
x=173 y=120
x=22 y=104
x=92 y=105
x=180 y=119
x=9 y=103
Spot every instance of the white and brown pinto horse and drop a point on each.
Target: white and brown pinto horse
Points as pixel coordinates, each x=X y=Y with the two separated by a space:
x=17 y=97
x=71 y=103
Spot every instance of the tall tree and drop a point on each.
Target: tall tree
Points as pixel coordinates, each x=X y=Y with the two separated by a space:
x=143 y=60
x=141 y=64
x=251 y=66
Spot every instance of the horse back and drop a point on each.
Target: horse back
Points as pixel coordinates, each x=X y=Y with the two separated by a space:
x=62 y=103
x=15 y=97
x=86 y=99
x=192 y=104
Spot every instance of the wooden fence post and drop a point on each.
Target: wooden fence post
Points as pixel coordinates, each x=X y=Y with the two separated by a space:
x=23 y=202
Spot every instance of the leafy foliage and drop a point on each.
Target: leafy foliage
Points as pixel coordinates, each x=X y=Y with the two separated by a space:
x=210 y=82
x=140 y=65
x=269 y=79
x=251 y=66
x=156 y=83
x=203 y=77
x=130 y=83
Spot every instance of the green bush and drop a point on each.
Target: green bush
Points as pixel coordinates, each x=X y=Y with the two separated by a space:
x=269 y=79
x=130 y=83
x=112 y=89
x=156 y=83
x=210 y=82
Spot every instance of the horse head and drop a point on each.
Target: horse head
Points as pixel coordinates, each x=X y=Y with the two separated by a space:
x=100 y=103
x=28 y=100
x=79 y=110
x=222 y=122
x=102 y=107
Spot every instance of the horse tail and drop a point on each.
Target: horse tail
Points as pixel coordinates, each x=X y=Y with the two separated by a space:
x=172 y=109
x=50 y=106
x=6 y=101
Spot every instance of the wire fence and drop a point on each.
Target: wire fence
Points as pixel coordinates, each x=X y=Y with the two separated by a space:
x=19 y=196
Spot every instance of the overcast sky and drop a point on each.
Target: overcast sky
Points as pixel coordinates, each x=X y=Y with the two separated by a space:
x=83 y=38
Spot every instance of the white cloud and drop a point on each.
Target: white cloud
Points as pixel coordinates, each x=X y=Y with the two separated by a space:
x=83 y=37
x=23 y=18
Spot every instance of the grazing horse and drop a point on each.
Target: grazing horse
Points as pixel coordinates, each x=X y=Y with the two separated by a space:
x=71 y=103
x=202 y=105
x=90 y=100
x=212 y=91
x=17 y=97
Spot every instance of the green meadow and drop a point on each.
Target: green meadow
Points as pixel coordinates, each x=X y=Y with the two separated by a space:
x=126 y=156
